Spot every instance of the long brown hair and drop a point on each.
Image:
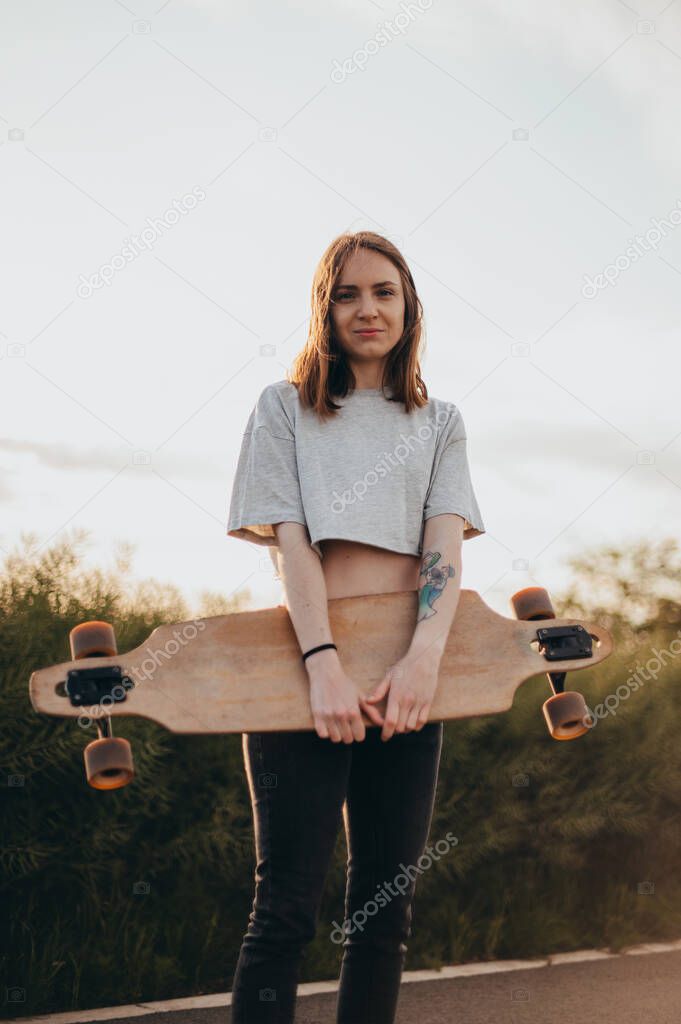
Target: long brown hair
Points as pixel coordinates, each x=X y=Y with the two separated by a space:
x=321 y=370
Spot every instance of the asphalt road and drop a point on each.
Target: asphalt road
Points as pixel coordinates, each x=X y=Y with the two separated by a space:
x=631 y=989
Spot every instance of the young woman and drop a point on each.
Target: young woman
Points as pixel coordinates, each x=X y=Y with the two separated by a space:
x=359 y=484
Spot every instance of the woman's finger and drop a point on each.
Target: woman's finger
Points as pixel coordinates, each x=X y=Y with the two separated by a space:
x=392 y=715
x=380 y=691
x=405 y=711
x=412 y=717
x=423 y=717
x=371 y=712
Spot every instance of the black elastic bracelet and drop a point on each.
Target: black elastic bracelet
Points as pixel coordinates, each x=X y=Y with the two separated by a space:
x=314 y=650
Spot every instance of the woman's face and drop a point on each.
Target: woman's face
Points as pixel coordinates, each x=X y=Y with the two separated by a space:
x=368 y=295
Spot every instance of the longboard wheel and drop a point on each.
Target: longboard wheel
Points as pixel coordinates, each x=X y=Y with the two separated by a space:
x=532 y=603
x=93 y=639
x=108 y=763
x=566 y=715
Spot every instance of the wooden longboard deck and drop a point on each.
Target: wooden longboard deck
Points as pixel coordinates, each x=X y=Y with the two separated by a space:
x=243 y=672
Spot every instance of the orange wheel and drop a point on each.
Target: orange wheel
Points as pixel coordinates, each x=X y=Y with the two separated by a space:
x=532 y=603
x=108 y=763
x=567 y=715
x=93 y=639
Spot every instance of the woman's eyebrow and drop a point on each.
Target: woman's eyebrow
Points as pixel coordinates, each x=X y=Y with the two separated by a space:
x=379 y=284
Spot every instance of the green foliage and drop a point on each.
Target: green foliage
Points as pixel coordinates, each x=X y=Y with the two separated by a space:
x=144 y=892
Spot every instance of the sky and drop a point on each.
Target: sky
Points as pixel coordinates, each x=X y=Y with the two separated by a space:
x=171 y=175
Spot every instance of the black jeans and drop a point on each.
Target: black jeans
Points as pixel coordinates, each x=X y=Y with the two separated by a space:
x=300 y=786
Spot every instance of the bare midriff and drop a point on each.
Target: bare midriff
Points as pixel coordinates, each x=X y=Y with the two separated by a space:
x=351 y=569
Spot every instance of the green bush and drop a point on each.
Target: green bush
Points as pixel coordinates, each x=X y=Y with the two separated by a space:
x=144 y=892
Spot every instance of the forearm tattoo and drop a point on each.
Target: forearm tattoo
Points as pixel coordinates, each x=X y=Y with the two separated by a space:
x=435 y=582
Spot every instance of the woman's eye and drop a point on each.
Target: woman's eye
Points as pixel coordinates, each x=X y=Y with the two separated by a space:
x=382 y=291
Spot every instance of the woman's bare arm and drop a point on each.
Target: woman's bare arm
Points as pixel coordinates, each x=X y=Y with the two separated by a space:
x=334 y=697
x=304 y=590
x=439 y=586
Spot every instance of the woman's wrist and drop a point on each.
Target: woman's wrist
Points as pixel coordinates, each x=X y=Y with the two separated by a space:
x=428 y=650
x=320 y=647
x=321 y=660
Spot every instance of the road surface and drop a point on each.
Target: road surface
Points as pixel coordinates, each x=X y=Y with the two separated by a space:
x=629 y=988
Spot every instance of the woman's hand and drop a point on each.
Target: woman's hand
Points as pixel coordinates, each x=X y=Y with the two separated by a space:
x=334 y=699
x=412 y=682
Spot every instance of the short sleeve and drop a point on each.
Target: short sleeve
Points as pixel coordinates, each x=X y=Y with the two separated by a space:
x=451 y=488
x=266 y=487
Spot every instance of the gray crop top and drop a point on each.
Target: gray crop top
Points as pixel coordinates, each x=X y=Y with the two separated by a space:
x=371 y=473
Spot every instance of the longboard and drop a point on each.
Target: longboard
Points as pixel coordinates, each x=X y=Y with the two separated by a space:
x=243 y=672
